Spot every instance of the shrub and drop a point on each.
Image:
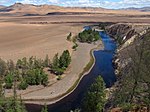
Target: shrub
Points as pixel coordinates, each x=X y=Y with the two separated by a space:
x=44 y=79
x=59 y=77
x=69 y=36
x=9 y=81
x=23 y=85
x=75 y=46
x=60 y=64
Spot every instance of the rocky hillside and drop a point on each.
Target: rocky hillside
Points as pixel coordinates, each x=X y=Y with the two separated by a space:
x=121 y=32
x=131 y=91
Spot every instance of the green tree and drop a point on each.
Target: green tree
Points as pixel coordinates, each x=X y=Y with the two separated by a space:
x=56 y=65
x=69 y=36
x=31 y=62
x=11 y=65
x=44 y=79
x=75 y=46
x=22 y=85
x=65 y=59
x=14 y=104
x=46 y=61
x=88 y=36
x=19 y=63
x=9 y=80
x=24 y=63
x=44 y=109
x=3 y=70
x=38 y=77
x=95 y=98
x=3 y=67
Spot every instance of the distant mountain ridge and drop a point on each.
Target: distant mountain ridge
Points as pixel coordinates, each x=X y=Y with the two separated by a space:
x=143 y=9
x=35 y=10
x=44 y=9
x=2 y=6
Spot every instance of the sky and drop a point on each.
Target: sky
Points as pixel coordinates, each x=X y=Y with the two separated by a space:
x=111 y=4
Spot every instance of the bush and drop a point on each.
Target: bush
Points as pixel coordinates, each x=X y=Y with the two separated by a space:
x=3 y=67
x=75 y=46
x=95 y=98
x=59 y=77
x=9 y=81
x=88 y=36
x=36 y=77
x=8 y=85
x=23 y=85
x=44 y=79
x=69 y=36
x=60 y=64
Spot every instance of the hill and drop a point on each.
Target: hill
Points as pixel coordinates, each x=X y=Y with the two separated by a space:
x=143 y=9
x=1 y=6
x=29 y=9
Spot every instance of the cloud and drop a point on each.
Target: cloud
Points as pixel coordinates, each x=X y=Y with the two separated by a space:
x=5 y=1
x=54 y=1
x=86 y=3
x=104 y=3
x=126 y=3
x=82 y=3
x=27 y=1
x=36 y=2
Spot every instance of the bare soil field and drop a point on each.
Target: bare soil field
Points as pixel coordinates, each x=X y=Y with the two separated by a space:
x=24 y=36
x=24 y=40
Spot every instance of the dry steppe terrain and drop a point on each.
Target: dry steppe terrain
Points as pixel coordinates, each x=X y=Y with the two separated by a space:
x=24 y=36
x=41 y=33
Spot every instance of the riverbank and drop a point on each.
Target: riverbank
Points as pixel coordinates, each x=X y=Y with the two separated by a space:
x=79 y=65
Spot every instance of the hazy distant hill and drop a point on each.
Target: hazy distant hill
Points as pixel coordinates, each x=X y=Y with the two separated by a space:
x=144 y=9
x=1 y=6
x=20 y=9
x=30 y=9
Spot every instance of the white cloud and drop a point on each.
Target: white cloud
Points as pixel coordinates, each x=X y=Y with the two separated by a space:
x=54 y=1
x=36 y=2
x=27 y=1
x=86 y=3
x=126 y=3
x=5 y=1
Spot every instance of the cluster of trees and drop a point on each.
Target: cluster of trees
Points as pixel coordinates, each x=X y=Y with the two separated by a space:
x=28 y=72
x=95 y=98
x=31 y=71
x=88 y=36
x=20 y=75
x=59 y=64
x=12 y=104
x=133 y=90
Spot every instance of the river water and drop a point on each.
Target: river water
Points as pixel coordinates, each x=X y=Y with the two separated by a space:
x=103 y=66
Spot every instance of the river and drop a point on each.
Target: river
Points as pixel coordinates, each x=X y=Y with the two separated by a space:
x=103 y=66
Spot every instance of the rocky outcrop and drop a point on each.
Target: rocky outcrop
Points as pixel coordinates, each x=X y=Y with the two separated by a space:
x=121 y=32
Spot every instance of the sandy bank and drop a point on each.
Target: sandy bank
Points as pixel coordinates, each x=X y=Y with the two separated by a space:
x=49 y=95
